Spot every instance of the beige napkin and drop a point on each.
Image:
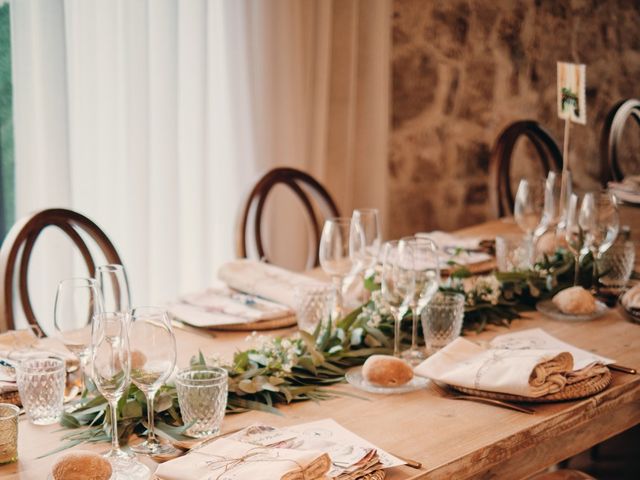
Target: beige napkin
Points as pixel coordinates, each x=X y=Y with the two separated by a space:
x=225 y=459
x=527 y=372
x=263 y=280
x=220 y=305
x=448 y=243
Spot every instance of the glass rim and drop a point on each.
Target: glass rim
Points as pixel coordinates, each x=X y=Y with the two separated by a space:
x=339 y=220
x=149 y=310
x=77 y=281
x=220 y=375
x=23 y=367
x=13 y=411
x=368 y=210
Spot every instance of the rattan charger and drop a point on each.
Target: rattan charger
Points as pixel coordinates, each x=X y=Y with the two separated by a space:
x=10 y=397
x=584 y=388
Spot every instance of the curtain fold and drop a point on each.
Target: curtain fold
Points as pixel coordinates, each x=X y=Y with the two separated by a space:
x=154 y=118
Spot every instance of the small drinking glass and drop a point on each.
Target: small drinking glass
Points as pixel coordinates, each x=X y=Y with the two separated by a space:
x=442 y=320
x=202 y=394
x=41 y=383
x=8 y=433
x=114 y=287
x=151 y=337
x=313 y=303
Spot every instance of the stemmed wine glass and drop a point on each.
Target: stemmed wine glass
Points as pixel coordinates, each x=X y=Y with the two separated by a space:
x=153 y=351
x=77 y=301
x=111 y=367
x=398 y=283
x=365 y=238
x=599 y=220
x=574 y=234
x=336 y=257
x=528 y=212
x=427 y=279
x=114 y=287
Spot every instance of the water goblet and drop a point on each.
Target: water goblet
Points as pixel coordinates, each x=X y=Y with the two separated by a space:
x=77 y=301
x=366 y=240
x=574 y=234
x=336 y=257
x=529 y=212
x=153 y=346
x=397 y=284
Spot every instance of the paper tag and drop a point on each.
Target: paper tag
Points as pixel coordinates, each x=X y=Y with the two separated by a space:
x=572 y=97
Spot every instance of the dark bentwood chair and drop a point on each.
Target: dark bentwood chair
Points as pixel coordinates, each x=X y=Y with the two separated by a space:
x=317 y=203
x=500 y=191
x=611 y=137
x=17 y=248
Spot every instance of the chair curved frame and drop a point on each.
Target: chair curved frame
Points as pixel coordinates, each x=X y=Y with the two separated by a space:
x=611 y=137
x=306 y=188
x=17 y=248
x=501 y=194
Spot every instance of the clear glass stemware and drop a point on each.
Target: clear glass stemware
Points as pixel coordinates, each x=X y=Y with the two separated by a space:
x=529 y=212
x=427 y=280
x=365 y=238
x=336 y=257
x=77 y=301
x=153 y=351
x=111 y=367
x=114 y=287
x=574 y=235
x=397 y=284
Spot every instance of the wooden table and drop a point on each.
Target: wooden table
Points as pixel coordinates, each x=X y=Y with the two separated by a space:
x=452 y=439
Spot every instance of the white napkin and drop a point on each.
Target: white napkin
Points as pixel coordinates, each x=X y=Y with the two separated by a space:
x=448 y=243
x=506 y=364
x=221 y=459
x=263 y=280
x=628 y=190
x=223 y=306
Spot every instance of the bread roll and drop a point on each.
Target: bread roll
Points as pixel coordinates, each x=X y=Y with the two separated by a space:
x=386 y=371
x=575 y=301
x=82 y=465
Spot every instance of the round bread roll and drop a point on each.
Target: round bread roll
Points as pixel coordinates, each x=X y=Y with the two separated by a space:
x=82 y=465
x=386 y=371
x=575 y=301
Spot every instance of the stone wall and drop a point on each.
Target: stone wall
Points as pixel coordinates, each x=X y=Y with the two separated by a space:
x=464 y=69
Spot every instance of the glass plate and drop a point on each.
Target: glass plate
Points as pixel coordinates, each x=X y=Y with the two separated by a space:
x=355 y=378
x=548 y=308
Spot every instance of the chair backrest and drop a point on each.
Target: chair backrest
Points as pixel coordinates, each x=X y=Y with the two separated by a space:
x=611 y=137
x=500 y=191
x=317 y=203
x=17 y=248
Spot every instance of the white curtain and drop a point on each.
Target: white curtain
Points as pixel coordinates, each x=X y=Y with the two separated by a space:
x=155 y=117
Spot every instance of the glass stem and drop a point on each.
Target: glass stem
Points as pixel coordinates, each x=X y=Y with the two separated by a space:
x=576 y=269
x=83 y=360
x=339 y=307
x=151 y=436
x=396 y=335
x=414 y=329
x=594 y=279
x=115 y=444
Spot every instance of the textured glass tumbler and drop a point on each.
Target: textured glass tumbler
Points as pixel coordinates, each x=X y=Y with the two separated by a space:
x=8 y=433
x=313 y=304
x=41 y=385
x=442 y=320
x=202 y=394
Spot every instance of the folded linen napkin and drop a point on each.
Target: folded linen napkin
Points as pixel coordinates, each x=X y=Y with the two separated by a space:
x=222 y=306
x=263 y=280
x=510 y=365
x=459 y=249
x=226 y=459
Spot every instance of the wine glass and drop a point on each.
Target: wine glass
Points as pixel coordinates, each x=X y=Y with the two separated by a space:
x=397 y=283
x=365 y=238
x=77 y=301
x=114 y=287
x=335 y=254
x=598 y=219
x=111 y=367
x=153 y=352
x=529 y=210
x=574 y=234
x=427 y=279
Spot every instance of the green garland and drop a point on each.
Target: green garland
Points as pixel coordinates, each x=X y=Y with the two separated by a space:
x=298 y=368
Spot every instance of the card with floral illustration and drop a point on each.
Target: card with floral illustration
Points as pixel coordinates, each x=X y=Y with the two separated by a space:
x=572 y=97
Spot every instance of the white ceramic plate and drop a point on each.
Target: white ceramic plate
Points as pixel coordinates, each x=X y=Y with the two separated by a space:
x=355 y=378
x=548 y=308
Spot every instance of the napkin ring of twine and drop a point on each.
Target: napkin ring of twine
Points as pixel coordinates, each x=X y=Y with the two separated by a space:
x=228 y=464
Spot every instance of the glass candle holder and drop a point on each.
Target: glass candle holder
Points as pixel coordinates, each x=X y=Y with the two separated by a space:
x=41 y=384
x=8 y=433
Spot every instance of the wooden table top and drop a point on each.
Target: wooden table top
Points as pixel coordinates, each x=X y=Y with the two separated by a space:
x=450 y=438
